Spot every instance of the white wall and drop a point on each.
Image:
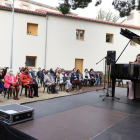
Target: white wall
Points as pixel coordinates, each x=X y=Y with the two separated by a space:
x=63 y=48
x=136 y=19
x=24 y=45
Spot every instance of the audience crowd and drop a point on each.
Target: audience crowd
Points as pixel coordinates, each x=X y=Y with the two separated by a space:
x=28 y=78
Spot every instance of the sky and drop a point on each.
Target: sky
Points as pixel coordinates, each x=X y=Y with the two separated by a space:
x=91 y=11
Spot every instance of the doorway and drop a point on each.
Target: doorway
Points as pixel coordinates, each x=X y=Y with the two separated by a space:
x=79 y=64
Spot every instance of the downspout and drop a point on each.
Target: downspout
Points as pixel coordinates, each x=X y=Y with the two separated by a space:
x=46 y=42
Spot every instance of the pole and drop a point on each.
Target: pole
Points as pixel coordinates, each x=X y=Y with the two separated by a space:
x=122 y=51
x=46 y=42
x=11 y=58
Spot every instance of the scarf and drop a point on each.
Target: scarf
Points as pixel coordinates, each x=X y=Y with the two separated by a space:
x=92 y=73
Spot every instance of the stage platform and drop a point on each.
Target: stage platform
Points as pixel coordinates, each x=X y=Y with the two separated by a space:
x=84 y=117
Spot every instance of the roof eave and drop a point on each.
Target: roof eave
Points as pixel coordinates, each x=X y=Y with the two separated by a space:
x=93 y=21
x=20 y=11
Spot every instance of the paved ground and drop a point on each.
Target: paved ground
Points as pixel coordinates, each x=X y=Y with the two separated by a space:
x=43 y=96
x=85 y=117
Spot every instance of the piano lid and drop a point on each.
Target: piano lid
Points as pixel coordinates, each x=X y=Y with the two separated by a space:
x=130 y=35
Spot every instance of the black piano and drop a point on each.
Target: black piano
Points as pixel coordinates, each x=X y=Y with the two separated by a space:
x=125 y=72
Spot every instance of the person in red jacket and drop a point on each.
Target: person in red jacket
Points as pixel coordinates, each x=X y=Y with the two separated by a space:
x=26 y=80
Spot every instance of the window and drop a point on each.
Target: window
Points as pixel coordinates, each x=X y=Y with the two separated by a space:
x=132 y=43
x=31 y=61
x=80 y=34
x=32 y=29
x=109 y=38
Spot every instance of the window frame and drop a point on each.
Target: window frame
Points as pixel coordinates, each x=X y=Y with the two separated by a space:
x=112 y=35
x=79 y=30
x=32 y=24
x=134 y=43
x=35 y=61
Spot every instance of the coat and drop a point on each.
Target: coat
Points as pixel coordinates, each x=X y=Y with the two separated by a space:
x=24 y=78
x=8 y=81
x=47 y=80
x=73 y=77
x=61 y=78
x=86 y=74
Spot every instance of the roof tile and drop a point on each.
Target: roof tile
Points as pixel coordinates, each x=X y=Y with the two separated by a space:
x=44 y=12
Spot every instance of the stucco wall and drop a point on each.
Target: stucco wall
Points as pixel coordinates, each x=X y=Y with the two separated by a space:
x=63 y=48
x=135 y=20
x=24 y=45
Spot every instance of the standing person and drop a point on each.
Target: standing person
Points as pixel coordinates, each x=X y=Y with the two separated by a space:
x=70 y=76
x=58 y=76
x=18 y=73
x=4 y=71
x=75 y=80
x=1 y=81
x=26 y=80
x=64 y=79
x=49 y=81
x=92 y=77
x=87 y=77
x=11 y=82
x=32 y=75
x=39 y=74
x=98 y=77
x=131 y=84
x=53 y=74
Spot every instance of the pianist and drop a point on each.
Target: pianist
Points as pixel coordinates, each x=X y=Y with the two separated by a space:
x=131 y=84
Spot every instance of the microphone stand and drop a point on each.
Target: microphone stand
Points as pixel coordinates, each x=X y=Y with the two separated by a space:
x=104 y=77
x=105 y=73
x=107 y=94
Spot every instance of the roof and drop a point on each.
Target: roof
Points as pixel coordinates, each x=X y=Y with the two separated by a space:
x=43 y=5
x=40 y=4
x=21 y=10
x=44 y=13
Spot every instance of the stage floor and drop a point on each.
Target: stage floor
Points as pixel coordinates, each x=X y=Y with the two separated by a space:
x=85 y=117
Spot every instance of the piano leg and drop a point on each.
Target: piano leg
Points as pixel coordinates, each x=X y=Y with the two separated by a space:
x=113 y=87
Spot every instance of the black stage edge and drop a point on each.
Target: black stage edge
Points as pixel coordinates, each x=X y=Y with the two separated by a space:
x=9 y=133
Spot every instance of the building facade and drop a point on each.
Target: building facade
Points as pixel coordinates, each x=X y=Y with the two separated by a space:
x=133 y=19
x=48 y=40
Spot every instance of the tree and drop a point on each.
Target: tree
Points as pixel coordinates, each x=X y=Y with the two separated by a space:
x=72 y=4
x=108 y=16
x=123 y=6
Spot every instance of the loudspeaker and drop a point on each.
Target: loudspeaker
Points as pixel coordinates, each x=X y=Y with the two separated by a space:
x=111 y=57
x=9 y=133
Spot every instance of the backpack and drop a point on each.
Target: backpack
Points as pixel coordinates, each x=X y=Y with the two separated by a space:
x=65 y=78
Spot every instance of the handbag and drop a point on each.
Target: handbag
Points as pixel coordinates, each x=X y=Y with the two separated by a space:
x=15 y=85
x=65 y=78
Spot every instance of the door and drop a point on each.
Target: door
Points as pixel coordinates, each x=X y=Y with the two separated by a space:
x=79 y=64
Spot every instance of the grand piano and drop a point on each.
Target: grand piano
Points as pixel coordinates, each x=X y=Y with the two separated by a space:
x=126 y=71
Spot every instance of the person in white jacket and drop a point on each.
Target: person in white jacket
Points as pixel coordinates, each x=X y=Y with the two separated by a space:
x=64 y=79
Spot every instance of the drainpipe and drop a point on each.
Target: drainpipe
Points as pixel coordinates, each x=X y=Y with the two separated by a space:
x=46 y=43
x=12 y=34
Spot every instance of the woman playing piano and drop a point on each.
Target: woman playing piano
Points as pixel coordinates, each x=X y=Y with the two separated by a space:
x=131 y=84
